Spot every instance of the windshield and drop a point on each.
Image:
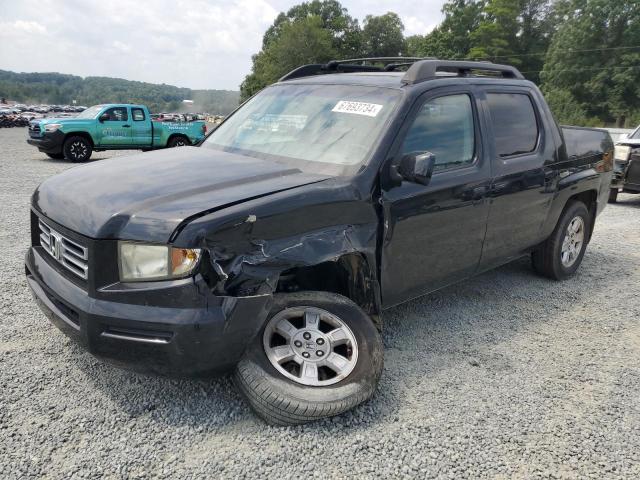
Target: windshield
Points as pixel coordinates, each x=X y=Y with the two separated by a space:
x=329 y=129
x=90 y=112
x=635 y=135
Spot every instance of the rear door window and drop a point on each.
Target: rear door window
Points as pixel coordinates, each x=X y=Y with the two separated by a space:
x=514 y=123
x=137 y=114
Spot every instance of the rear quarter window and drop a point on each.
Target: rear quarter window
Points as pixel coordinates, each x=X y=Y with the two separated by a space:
x=514 y=123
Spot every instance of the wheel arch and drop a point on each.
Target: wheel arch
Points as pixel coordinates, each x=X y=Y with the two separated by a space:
x=85 y=135
x=177 y=135
x=590 y=200
x=349 y=275
x=586 y=193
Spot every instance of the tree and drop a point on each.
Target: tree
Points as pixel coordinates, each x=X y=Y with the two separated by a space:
x=56 y=88
x=536 y=27
x=451 y=39
x=297 y=43
x=495 y=36
x=382 y=36
x=344 y=29
x=594 y=59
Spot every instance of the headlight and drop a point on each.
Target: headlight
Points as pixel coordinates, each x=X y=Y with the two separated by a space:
x=52 y=127
x=622 y=152
x=140 y=262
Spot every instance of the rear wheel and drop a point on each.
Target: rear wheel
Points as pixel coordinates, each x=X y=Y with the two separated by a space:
x=77 y=149
x=179 y=141
x=613 y=195
x=55 y=156
x=561 y=254
x=318 y=355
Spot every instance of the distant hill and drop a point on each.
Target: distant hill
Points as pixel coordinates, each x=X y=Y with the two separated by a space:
x=62 y=89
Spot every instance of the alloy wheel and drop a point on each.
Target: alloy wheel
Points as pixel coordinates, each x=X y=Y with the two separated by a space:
x=310 y=346
x=572 y=243
x=78 y=150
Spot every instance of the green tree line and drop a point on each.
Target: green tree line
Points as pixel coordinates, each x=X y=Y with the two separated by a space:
x=61 y=89
x=584 y=54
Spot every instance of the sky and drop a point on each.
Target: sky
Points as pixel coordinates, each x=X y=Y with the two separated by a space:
x=201 y=44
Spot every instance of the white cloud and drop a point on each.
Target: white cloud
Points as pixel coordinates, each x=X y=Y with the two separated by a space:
x=416 y=26
x=27 y=27
x=191 y=43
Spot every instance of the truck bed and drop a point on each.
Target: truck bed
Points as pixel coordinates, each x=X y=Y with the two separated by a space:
x=582 y=141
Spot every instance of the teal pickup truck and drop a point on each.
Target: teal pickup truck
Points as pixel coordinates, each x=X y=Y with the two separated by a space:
x=110 y=127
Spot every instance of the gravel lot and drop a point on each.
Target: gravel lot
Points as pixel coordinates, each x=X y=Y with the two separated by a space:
x=504 y=375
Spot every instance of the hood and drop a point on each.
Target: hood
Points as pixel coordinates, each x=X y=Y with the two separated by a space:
x=63 y=120
x=145 y=197
x=633 y=142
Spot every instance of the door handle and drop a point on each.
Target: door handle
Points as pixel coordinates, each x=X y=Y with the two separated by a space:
x=126 y=126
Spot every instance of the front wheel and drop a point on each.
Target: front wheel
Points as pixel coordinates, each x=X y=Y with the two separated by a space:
x=318 y=355
x=561 y=254
x=77 y=149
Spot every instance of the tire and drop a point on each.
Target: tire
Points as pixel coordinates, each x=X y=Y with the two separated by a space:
x=552 y=259
x=279 y=399
x=56 y=156
x=178 y=141
x=77 y=149
x=613 y=195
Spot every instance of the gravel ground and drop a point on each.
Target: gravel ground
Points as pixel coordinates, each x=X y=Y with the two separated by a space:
x=504 y=375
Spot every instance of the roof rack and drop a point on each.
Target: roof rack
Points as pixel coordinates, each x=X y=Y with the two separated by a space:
x=351 y=65
x=420 y=69
x=427 y=70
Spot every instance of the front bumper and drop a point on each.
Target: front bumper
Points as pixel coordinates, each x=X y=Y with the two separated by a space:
x=167 y=340
x=49 y=142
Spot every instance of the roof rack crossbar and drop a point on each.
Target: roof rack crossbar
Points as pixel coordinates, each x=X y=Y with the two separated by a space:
x=349 y=66
x=380 y=59
x=427 y=69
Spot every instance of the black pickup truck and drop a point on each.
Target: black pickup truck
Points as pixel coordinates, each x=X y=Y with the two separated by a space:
x=275 y=246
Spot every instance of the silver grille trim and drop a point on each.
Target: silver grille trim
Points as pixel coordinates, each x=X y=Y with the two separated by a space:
x=71 y=255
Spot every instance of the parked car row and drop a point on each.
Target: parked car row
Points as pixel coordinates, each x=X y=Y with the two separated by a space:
x=9 y=119
x=20 y=108
x=177 y=117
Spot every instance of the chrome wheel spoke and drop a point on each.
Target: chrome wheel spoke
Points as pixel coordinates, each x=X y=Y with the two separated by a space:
x=286 y=329
x=311 y=319
x=336 y=362
x=309 y=371
x=338 y=336
x=283 y=353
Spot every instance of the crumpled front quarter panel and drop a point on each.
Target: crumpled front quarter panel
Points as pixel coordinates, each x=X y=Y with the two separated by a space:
x=251 y=244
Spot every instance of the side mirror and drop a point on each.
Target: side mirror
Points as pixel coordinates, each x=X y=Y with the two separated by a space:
x=417 y=167
x=104 y=117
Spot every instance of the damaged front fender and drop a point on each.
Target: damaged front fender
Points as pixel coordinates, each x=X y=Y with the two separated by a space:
x=258 y=269
x=252 y=251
